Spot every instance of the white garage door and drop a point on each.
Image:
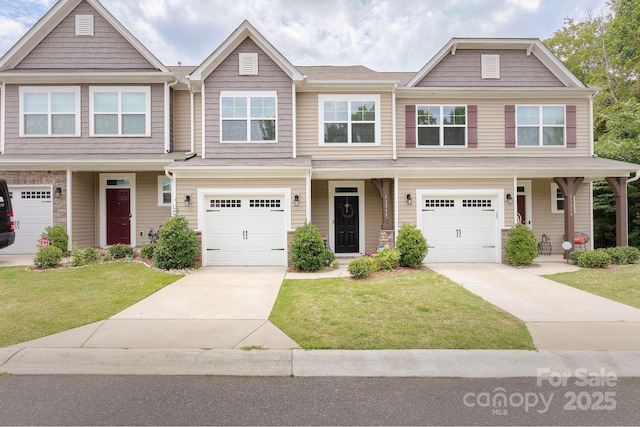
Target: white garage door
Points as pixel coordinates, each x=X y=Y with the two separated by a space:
x=460 y=229
x=33 y=212
x=245 y=230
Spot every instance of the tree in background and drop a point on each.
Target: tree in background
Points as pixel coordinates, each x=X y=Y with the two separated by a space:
x=604 y=51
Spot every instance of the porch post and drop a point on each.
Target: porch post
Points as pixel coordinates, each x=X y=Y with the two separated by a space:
x=569 y=187
x=619 y=187
x=382 y=185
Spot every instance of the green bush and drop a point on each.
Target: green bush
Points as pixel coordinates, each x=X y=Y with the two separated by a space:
x=412 y=246
x=594 y=259
x=48 y=256
x=121 y=251
x=575 y=255
x=177 y=246
x=361 y=268
x=388 y=259
x=147 y=250
x=57 y=236
x=623 y=255
x=84 y=256
x=521 y=247
x=307 y=249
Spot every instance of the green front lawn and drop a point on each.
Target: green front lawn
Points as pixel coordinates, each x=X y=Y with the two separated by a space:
x=417 y=310
x=35 y=304
x=620 y=284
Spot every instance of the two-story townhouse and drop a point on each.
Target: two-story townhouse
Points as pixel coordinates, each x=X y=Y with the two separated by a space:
x=247 y=146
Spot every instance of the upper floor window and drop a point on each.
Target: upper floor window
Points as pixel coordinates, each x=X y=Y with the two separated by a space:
x=349 y=119
x=442 y=125
x=49 y=111
x=540 y=125
x=248 y=116
x=120 y=111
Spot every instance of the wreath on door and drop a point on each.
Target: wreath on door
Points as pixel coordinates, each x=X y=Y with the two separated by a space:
x=347 y=211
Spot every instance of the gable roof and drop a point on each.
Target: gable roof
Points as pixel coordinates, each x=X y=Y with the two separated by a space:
x=52 y=18
x=233 y=41
x=533 y=46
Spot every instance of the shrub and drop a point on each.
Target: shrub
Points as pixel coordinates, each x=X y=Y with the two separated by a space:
x=147 y=250
x=623 y=255
x=388 y=259
x=361 y=268
x=57 y=236
x=412 y=246
x=48 y=256
x=575 y=255
x=121 y=251
x=177 y=245
x=84 y=256
x=521 y=247
x=594 y=259
x=307 y=249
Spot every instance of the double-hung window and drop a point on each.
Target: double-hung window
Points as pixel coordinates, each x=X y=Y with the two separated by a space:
x=248 y=116
x=164 y=191
x=120 y=110
x=557 y=199
x=540 y=125
x=49 y=111
x=441 y=125
x=349 y=119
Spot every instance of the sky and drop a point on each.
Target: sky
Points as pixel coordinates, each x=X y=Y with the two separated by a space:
x=385 y=35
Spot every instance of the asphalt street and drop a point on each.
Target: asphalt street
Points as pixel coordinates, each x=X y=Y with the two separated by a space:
x=201 y=400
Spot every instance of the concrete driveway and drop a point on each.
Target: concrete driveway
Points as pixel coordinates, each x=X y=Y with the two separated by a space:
x=211 y=308
x=558 y=317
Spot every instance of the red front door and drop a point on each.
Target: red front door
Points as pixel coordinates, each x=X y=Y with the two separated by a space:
x=118 y=216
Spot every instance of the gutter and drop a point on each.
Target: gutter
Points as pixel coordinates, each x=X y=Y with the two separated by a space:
x=635 y=178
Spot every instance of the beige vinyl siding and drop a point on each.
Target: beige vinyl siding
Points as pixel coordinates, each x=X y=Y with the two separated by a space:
x=407 y=213
x=464 y=70
x=191 y=185
x=320 y=205
x=552 y=224
x=270 y=78
x=106 y=49
x=182 y=121
x=14 y=144
x=308 y=138
x=491 y=130
x=84 y=224
x=148 y=213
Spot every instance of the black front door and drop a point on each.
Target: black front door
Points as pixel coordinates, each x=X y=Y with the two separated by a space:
x=347 y=227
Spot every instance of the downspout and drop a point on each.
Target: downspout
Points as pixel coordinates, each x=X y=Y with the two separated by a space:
x=174 y=195
x=635 y=178
x=192 y=125
x=393 y=119
x=202 y=92
x=2 y=115
x=396 y=188
x=167 y=114
x=293 y=113
x=308 y=190
x=69 y=210
x=592 y=142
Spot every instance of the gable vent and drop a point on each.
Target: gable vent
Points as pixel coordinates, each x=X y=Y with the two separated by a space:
x=248 y=64
x=490 y=66
x=84 y=25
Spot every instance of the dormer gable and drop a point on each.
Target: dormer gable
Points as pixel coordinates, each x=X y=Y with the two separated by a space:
x=247 y=62
x=79 y=35
x=494 y=62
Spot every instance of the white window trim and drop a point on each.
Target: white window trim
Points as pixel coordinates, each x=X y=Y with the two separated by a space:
x=349 y=99
x=441 y=127
x=540 y=126
x=49 y=89
x=120 y=90
x=555 y=198
x=248 y=95
x=161 y=180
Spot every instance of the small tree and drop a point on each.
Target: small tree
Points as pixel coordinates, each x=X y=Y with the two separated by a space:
x=177 y=245
x=412 y=246
x=521 y=247
x=57 y=236
x=307 y=249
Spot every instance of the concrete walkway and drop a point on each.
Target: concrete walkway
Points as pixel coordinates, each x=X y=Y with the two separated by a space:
x=211 y=308
x=559 y=317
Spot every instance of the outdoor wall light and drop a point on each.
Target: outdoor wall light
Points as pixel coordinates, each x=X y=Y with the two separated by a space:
x=296 y=200
x=58 y=192
x=509 y=198
x=187 y=200
x=409 y=199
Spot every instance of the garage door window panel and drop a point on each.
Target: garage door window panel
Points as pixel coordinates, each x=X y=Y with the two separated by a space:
x=441 y=125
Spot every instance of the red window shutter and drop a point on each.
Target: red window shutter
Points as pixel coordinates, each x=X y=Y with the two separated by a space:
x=572 y=139
x=472 y=126
x=510 y=126
x=410 y=111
